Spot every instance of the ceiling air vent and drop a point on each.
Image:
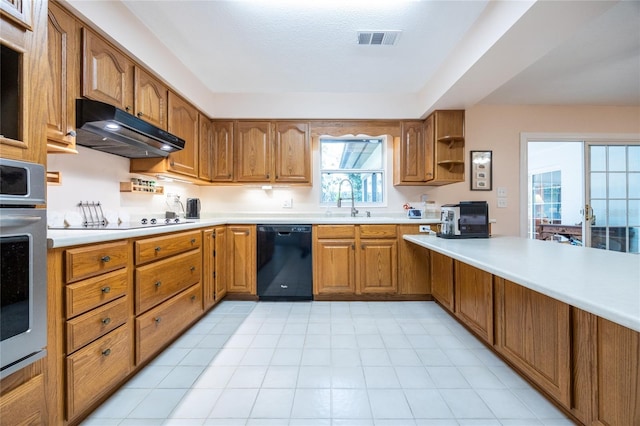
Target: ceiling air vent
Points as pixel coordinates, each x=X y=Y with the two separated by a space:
x=378 y=38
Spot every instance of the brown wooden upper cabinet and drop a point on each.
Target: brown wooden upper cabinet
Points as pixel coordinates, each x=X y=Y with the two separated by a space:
x=447 y=141
x=413 y=164
x=150 y=100
x=222 y=152
x=64 y=66
x=252 y=144
x=272 y=152
x=107 y=74
x=293 y=152
x=430 y=152
x=205 y=147
x=183 y=122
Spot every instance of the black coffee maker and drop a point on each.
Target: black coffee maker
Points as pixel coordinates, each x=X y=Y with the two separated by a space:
x=193 y=208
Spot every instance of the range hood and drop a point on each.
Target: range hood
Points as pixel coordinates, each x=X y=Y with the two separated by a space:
x=106 y=128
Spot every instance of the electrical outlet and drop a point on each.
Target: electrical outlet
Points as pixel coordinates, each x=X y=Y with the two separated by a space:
x=425 y=228
x=502 y=192
x=287 y=203
x=502 y=203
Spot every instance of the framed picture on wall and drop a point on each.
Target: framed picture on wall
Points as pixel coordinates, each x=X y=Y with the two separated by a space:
x=481 y=171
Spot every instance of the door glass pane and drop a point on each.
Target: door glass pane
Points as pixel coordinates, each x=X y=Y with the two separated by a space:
x=600 y=212
x=634 y=240
x=634 y=158
x=617 y=213
x=598 y=157
x=617 y=159
x=634 y=212
x=617 y=185
x=634 y=185
x=598 y=185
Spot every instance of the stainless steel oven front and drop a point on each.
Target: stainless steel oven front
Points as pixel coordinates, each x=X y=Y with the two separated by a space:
x=23 y=265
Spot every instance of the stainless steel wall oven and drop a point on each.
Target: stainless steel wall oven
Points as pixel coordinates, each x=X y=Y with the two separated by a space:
x=23 y=265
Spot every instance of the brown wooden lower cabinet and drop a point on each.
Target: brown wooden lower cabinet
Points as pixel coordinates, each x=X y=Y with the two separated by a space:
x=442 y=279
x=618 y=375
x=95 y=369
x=474 y=299
x=22 y=397
x=162 y=324
x=533 y=333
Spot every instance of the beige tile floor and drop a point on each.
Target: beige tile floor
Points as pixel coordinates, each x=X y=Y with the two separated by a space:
x=327 y=363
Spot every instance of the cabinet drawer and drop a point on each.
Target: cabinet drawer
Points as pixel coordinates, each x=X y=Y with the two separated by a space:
x=162 y=324
x=378 y=231
x=335 y=231
x=161 y=247
x=94 y=369
x=88 y=261
x=161 y=280
x=88 y=294
x=88 y=327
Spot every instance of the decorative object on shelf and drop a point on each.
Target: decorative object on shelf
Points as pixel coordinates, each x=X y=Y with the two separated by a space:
x=481 y=170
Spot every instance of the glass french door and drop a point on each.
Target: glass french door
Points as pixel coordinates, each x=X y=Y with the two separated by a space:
x=612 y=184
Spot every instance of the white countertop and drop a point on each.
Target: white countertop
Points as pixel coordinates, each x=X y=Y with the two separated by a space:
x=65 y=238
x=604 y=283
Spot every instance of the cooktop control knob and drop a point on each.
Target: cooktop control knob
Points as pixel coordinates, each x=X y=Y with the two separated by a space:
x=154 y=221
x=144 y=221
x=176 y=220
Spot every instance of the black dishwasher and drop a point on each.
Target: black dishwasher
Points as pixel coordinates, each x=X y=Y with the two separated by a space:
x=284 y=262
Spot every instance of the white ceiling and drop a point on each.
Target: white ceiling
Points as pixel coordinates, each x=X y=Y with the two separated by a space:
x=279 y=58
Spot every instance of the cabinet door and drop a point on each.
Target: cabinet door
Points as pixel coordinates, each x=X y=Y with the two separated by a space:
x=183 y=122
x=64 y=66
x=241 y=257
x=205 y=158
x=220 y=262
x=334 y=266
x=378 y=266
x=222 y=152
x=532 y=332
x=150 y=98
x=474 y=299
x=25 y=80
x=414 y=276
x=107 y=74
x=26 y=404
x=208 y=268
x=410 y=164
x=618 y=375
x=442 y=279
x=293 y=152
x=252 y=143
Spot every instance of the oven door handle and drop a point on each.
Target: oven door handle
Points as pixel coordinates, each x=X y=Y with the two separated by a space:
x=14 y=221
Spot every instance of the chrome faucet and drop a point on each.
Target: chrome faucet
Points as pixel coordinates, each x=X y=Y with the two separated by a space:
x=354 y=212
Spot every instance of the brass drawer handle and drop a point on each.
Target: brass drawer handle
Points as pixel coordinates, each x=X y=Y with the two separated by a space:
x=158 y=284
x=157 y=249
x=140 y=114
x=106 y=289
x=193 y=268
x=193 y=297
x=106 y=320
x=106 y=352
x=193 y=241
x=105 y=259
x=157 y=320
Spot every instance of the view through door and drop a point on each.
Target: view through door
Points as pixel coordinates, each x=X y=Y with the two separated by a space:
x=584 y=193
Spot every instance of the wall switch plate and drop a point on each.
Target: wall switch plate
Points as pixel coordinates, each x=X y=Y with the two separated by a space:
x=287 y=203
x=502 y=191
x=502 y=203
x=425 y=228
